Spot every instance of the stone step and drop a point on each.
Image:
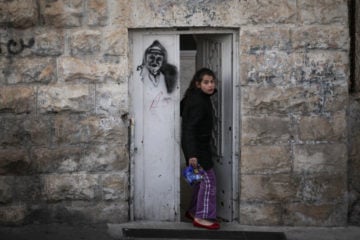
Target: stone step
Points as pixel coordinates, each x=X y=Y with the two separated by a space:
x=176 y=230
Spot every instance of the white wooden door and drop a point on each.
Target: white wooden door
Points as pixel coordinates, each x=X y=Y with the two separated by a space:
x=155 y=149
x=215 y=52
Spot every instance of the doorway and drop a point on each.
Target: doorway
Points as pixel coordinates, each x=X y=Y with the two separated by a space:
x=158 y=191
x=213 y=51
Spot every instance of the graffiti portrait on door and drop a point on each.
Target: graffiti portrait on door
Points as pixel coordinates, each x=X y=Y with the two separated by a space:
x=155 y=67
x=159 y=78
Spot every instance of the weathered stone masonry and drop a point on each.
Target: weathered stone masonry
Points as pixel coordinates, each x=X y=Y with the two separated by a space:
x=64 y=103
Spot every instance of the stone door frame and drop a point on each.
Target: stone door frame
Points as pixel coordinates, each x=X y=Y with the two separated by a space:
x=236 y=120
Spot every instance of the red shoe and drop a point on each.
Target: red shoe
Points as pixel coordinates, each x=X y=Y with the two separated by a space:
x=189 y=216
x=213 y=226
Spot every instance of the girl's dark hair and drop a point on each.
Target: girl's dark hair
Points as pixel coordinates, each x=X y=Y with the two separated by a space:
x=197 y=78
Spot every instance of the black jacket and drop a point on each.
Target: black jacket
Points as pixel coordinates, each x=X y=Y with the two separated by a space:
x=196 y=128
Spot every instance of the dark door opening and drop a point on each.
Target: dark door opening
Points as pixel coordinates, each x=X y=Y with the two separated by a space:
x=213 y=51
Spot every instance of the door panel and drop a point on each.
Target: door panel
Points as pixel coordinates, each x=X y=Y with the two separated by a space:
x=215 y=52
x=155 y=109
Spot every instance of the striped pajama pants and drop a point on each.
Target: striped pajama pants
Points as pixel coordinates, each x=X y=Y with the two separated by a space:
x=203 y=202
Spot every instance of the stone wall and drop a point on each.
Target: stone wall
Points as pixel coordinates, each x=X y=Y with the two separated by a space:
x=63 y=110
x=64 y=105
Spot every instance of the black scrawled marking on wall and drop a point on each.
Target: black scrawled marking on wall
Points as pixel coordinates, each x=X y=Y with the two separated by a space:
x=14 y=47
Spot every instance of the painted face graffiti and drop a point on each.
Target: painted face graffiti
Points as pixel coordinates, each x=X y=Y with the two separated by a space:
x=155 y=63
x=154 y=60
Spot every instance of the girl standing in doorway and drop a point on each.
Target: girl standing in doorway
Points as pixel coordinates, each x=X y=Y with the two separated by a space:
x=197 y=125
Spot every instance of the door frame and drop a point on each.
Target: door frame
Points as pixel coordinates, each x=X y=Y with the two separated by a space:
x=236 y=120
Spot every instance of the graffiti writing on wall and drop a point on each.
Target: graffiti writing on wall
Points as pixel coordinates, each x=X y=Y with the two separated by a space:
x=14 y=47
x=155 y=66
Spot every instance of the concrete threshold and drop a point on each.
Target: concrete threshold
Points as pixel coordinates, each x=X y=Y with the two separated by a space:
x=291 y=233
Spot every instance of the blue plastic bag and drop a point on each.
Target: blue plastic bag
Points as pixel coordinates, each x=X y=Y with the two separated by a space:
x=193 y=175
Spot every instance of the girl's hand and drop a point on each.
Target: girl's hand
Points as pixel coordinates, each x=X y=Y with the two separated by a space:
x=193 y=162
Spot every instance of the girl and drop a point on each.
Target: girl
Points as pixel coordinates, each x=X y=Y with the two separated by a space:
x=197 y=124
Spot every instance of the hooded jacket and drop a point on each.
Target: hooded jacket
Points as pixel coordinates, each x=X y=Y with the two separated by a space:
x=196 y=127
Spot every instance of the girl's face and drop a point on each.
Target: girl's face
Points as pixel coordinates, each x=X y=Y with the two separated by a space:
x=207 y=84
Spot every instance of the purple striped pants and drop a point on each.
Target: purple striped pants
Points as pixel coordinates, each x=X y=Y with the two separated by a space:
x=203 y=202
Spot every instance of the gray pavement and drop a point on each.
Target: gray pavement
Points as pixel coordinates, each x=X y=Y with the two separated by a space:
x=55 y=232
x=114 y=231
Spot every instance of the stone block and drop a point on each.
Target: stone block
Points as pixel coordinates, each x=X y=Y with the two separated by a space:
x=73 y=129
x=17 y=99
x=85 y=42
x=14 y=161
x=34 y=42
x=62 y=13
x=115 y=186
x=354 y=214
x=318 y=12
x=265 y=159
x=26 y=70
x=24 y=130
x=266 y=130
x=336 y=98
x=324 y=188
x=260 y=214
x=58 y=160
x=49 y=42
x=329 y=68
x=19 y=13
x=115 y=212
x=27 y=189
x=112 y=99
x=105 y=157
x=120 y=13
x=97 y=12
x=355 y=181
x=79 y=70
x=320 y=37
x=322 y=214
x=323 y=128
x=270 y=68
x=321 y=158
x=85 y=212
x=4 y=63
x=115 y=42
x=354 y=117
x=65 y=98
x=17 y=43
x=211 y=13
x=12 y=132
x=267 y=11
x=275 y=188
x=109 y=129
x=280 y=100
x=13 y=215
x=38 y=128
x=80 y=186
x=259 y=40
x=354 y=163
x=6 y=189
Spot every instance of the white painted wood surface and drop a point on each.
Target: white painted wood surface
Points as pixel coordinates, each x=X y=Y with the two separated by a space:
x=156 y=140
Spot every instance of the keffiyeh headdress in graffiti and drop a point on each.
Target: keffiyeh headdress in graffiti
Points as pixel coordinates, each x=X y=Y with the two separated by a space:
x=156 y=62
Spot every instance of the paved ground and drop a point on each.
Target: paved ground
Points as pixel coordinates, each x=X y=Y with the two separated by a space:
x=55 y=232
x=113 y=231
